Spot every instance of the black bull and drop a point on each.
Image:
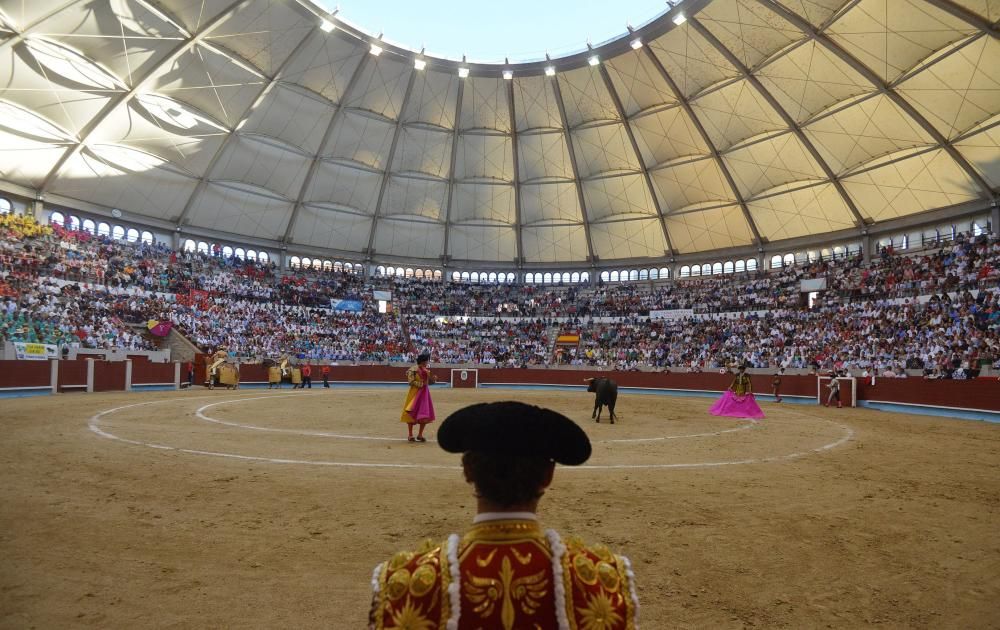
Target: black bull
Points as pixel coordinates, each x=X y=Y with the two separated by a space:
x=606 y=393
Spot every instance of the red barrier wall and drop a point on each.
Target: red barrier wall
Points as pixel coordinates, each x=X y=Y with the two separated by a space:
x=146 y=372
x=73 y=375
x=24 y=373
x=979 y=393
x=109 y=376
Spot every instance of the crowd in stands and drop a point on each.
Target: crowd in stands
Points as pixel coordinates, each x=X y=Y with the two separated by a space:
x=75 y=288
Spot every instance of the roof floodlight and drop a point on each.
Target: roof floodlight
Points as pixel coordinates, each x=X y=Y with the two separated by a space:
x=463 y=72
x=419 y=64
x=550 y=71
x=375 y=50
x=679 y=19
x=508 y=74
x=326 y=26
x=636 y=43
x=594 y=60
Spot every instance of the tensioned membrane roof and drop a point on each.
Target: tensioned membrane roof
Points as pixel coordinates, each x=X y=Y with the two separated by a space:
x=752 y=121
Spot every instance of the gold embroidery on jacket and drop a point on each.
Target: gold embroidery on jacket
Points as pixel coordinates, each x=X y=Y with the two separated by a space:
x=485 y=592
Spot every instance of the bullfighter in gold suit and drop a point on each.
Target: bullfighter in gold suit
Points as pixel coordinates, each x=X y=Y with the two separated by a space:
x=506 y=572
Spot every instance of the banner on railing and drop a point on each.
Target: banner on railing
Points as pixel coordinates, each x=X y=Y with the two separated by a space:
x=812 y=284
x=349 y=306
x=677 y=313
x=35 y=351
x=385 y=296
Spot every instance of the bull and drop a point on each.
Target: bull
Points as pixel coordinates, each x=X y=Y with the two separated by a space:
x=605 y=393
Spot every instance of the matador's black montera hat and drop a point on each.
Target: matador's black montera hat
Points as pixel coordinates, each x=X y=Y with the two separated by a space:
x=515 y=429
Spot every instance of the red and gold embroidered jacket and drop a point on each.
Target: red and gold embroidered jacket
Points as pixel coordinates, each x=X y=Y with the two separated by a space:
x=505 y=575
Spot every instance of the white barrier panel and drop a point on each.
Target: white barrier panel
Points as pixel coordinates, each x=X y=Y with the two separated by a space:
x=848 y=397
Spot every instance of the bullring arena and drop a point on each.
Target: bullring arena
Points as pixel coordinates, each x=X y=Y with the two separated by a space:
x=206 y=202
x=256 y=508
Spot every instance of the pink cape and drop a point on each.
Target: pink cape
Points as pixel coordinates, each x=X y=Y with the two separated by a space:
x=736 y=406
x=421 y=408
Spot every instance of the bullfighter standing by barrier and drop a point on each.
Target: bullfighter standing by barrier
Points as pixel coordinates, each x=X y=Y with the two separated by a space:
x=418 y=408
x=738 y=401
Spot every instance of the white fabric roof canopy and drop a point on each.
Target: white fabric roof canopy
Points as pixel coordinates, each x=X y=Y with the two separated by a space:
x=753 y=121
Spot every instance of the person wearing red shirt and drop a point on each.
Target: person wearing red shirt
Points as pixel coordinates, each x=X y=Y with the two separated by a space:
x=325 y=371
x=307 y=376
x=190 y=374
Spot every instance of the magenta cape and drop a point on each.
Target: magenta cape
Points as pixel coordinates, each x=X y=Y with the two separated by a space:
x=421 y=408
x=736 y=406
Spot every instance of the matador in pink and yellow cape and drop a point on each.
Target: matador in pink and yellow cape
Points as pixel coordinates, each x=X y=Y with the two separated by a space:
x=507 y=572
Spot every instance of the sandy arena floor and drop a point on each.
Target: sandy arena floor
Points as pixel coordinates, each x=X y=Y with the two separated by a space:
x=269 y=509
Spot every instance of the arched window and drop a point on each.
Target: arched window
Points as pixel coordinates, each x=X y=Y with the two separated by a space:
x=132 y=235
x=252 y=255
x=740 y=267
x=788 y=260
x=263 y=258
x=654 y=274
x=493 y=277
x=409 y=272
x=437 y=274
x=839 y=251
x=455 y=276
x=328 y=265
x=318 y=264
x=529 y=278
x=614 y=276
x=88 y=225
x=118 y=233
x=728 y=267
x=419 y=274
x=575 y=277
x=465 y=276
x=685 y=271
x=565 y=277
x=103 y=229
x=227 y=252
x=147 y=237
x=474 y=276
x=73 y=223
x=547 y=278
x=240 y=253
x=306 y=262
x=751 y=264
x=188 y=245
x=644 y=274
x=6 y=207
x=202 y=245
x=776 y=262
x=664 y=273
x=605 y=276
x=294 y=262
x=57 y=218
x=380 y=270
x=717 y=269
x=632 y=275
x=706 y=269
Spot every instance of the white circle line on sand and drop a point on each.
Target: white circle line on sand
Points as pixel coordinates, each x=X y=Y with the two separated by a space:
x=94 y=423
x=200 y=413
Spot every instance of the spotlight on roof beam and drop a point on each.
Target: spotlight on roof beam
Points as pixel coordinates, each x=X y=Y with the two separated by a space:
x=679 y=19
x=550 y=71
x=636 y=44
x=419 y=64
x=326 y=26
x=594 y=60
x=508 y=75
x=463 y=73
x=375 y=50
